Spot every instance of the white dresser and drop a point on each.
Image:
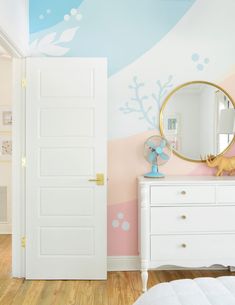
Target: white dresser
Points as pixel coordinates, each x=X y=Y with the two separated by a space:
x=187 y=221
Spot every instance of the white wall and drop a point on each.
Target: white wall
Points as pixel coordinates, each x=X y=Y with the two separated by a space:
x=5 y=166
x=207 y=121
x=14 y=22
x=186 y=105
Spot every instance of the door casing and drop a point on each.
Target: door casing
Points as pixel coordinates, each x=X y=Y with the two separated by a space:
x=18 y=132
x=18 y=171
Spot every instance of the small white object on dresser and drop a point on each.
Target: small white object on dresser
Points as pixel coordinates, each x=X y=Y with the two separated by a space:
x=186 y=221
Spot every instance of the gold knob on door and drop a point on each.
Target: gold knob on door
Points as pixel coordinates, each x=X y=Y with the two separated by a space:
x=183 y=245
x=183 y=216
x=183 y=193
x=99 y=179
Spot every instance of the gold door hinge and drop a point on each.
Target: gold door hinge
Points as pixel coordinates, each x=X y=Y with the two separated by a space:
x=23 y=162
x=99 y=179
x=23 y=83
x=23 y=242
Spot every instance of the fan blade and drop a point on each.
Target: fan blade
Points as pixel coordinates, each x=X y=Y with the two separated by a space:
x=164 y=156
x=163 y=143
x=151 y=145
x=159 y=150
x=151 y=157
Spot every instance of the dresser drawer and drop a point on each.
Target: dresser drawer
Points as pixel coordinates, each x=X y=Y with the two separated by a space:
x=163 y=195
x=193 y=247
x=192 y=219
x=225 y=194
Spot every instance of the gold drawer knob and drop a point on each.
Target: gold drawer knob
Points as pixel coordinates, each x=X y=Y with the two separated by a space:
x=183 y=192
x=183 y=216
x=183 y=245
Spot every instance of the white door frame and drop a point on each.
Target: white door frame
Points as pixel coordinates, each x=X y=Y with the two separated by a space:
x=9 y=45
x=18 y=140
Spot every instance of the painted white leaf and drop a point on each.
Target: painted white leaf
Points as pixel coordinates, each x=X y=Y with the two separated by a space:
x=67 y=35
x=35 y=52
x=33 y=44
x=47 y=39
x=54 y=50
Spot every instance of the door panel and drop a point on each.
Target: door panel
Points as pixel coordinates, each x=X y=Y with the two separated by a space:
x=67 y=83
x=76 y=122
x=61 y=241
x=65 y=147
x=67 y=161
x=52 y=202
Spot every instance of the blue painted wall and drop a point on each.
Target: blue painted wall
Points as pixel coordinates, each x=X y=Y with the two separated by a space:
x=120 y=30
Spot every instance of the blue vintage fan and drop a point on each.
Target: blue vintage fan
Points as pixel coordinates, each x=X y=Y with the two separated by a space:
x=157 y=151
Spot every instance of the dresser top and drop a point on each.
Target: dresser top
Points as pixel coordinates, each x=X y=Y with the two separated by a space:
x=188 y=179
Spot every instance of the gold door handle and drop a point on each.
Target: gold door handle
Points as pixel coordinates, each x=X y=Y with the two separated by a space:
x=99 y=179
x=183 y=245
x=183 y=216
x=183 y=192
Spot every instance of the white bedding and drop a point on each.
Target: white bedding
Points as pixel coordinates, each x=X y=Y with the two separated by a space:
x=200 y=291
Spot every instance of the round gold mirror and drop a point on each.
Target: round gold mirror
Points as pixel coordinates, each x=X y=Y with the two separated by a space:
x=198 y=119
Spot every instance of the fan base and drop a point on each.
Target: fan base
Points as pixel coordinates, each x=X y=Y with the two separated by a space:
x=154 y=175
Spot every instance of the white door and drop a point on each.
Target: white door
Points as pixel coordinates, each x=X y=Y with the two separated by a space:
x=65 y=147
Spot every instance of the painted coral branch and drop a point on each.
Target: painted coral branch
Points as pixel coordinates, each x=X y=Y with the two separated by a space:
x=138 y=103
x=162 y=91
x=142 y=105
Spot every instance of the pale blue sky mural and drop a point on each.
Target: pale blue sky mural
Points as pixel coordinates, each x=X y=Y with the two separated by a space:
x=46 y=13
x=119 y=30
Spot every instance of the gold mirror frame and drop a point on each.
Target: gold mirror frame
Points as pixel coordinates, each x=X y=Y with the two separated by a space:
x=167 y=100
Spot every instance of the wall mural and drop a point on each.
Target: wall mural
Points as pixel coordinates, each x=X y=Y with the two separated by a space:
x=146 y=106
x=151 y=46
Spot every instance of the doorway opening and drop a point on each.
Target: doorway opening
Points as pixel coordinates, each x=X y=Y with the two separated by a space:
x=11 y=149
x=6 y=96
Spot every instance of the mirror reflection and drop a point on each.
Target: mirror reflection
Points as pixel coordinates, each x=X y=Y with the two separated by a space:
x=198 y=119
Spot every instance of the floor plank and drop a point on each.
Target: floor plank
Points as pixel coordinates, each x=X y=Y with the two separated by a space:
x=121 y=288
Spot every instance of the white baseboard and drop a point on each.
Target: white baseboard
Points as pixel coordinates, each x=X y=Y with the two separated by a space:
x=132 y=263
x=5 y=228
x=123 y=263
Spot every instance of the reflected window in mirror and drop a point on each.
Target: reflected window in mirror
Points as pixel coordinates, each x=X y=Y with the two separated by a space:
x=225 y=110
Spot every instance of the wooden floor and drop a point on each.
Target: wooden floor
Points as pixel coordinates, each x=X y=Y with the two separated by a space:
x=121 y=288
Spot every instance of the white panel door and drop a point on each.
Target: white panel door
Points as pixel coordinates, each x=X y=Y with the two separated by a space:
x=65 y=147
